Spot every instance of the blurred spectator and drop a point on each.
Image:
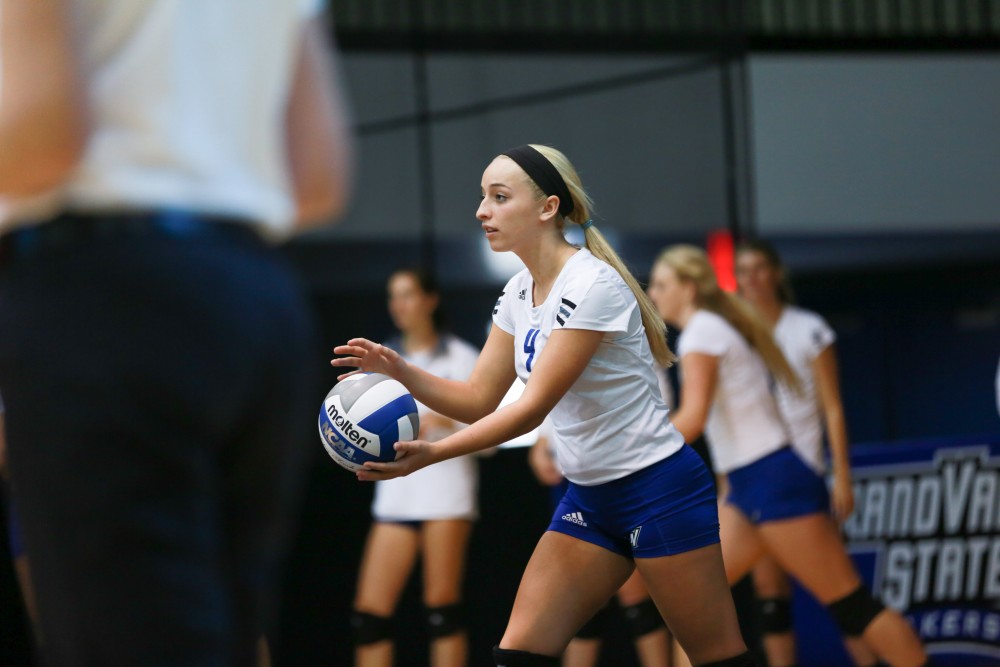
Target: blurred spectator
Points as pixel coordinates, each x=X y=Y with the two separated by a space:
x=156 y=351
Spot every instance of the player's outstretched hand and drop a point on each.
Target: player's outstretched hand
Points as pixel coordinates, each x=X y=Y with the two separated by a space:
x=367 y=357
x=416 y=454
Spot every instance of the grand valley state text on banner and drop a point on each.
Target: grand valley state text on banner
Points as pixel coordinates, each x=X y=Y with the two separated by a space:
x=925 y=535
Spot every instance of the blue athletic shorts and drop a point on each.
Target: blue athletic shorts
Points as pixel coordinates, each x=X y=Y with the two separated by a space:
x=665 y=509
x=778 y=486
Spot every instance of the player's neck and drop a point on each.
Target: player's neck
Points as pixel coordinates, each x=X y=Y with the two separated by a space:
x=769 y=311
x=686 y=313
x=545 y=264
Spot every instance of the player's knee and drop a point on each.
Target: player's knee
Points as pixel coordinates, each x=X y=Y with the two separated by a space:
x=643 y=618
x=445 y=620
x=853 y=613
x=369 y=629
x=742 y=660
x=775 y=615
x=509 y=658
x=594 y=628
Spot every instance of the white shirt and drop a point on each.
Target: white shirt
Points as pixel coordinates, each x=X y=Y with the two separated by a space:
x=743 y=423
x=184 y=116
x=612 y=421
x=802 y=335
x=445 y=490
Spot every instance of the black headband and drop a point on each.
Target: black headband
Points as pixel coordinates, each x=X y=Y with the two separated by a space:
x=544 y=174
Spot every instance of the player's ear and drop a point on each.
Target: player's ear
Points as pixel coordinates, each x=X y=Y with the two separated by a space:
x=550 y=208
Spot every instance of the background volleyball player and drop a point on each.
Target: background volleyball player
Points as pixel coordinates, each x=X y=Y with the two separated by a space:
x=807 y=342
x=579 y=329
x=776 y=503
x=428 y=514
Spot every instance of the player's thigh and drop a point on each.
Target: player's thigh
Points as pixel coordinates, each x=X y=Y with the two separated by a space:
x=633 y=591
x=692 y=594
x=809 y=548
x=566 y=581
x=389 y=555
x=741 y=544
x=769 y=580
x=443 y=545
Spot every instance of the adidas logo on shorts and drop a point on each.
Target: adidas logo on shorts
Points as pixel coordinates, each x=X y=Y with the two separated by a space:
x=575 y=517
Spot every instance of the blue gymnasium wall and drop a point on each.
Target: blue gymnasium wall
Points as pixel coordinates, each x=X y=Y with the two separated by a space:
x=918 y=348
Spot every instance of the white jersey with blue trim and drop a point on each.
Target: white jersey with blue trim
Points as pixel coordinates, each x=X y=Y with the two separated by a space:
x=802 y=336
x=744 y=423
x=612 y=421
x=449 y=489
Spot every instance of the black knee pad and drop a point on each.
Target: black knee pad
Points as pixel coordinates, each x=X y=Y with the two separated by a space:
x=594 y=628
x=368 y=628
x=445 y=620
x=507 y=658
x=742 y=660
x=643 y=618
x=854 y=612
x=775 y=615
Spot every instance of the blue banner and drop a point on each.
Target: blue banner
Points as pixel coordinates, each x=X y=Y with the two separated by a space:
x=925 y=535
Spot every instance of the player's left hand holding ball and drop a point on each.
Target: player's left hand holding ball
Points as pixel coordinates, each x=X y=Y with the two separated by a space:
x=416 y=454
x=368 y=357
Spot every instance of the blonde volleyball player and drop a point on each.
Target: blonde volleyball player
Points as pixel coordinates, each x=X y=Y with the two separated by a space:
x=776 y=504
x=578 y=329
x=807 y=342
x=427 y=514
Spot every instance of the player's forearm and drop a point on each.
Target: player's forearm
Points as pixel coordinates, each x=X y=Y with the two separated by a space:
x=454 y=399
x=43 y=109
x=494 y=429
x=836 y=430
x=319 y=140
x=690 y=424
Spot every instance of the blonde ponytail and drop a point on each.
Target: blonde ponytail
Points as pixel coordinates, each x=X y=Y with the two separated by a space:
x=692 y=266
x=656 y=330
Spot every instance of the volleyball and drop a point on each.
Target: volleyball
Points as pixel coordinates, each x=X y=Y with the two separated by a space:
x=363 y=416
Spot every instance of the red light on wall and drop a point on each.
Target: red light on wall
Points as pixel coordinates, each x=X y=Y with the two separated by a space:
x=722 y=255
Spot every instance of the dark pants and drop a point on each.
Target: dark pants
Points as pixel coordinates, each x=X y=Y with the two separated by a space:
x=159 y=403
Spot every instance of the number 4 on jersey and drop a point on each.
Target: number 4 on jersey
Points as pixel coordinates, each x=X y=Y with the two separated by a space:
x=529 y=347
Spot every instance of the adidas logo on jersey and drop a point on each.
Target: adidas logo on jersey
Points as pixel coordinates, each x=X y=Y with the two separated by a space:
x=575 y=517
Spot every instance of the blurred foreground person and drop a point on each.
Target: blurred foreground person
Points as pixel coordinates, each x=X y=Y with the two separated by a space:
x=155 y=357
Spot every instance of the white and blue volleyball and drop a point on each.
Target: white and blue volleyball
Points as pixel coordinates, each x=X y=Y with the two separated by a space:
x=363 y=416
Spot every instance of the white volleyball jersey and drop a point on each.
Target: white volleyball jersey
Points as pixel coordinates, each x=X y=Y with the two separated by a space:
x=445 y=490
x=612 y=421
x=802 y=335
x=183 y=116
x=743 y=423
